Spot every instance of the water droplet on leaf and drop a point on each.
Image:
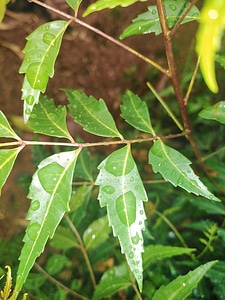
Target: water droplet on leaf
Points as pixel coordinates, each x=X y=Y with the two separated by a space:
x=48 y=38
x=27 y=111
x=108 y=189
x=135 y=239
x=30 y=100
x=33 y=230
x=172 y=7
x=131 y=255
x=53 y=116
x=154 y=11
x=35 y=205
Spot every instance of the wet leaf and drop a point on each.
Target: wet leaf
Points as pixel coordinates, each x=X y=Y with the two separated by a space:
x=135 y=112
x=74 y=4
x=112 y=281
x=215 y=112
x=182 y=286
x=48 y=119
x=93 y=115
x=174 y=167
x=41 y=50
x=96 y=233
x=5 y=128
x=149 y=22
x=209 y=37
x=83 y=167
x=123 y=193
x=63 y=239
x=102 y=4
x=7 y=159
x=50 y=192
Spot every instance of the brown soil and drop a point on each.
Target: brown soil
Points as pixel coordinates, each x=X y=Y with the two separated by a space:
x=86 y=62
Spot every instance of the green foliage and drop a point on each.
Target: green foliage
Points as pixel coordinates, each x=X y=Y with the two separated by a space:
x=148 y=216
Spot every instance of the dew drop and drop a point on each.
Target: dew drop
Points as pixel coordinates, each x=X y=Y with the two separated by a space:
x=139 y=28
x=172 y=7
x=28 y=59
x=131 y=255
x=36 y=123
x=141 y=212
x=93 y=236
x=27 y=111
x=53 y=116
x=48 y=38
x=47 y=27
x=135 y=239
x=108 y=189
x=132 y=178
x=33 y=230
x=184 y=284
x=154 y=11
x=30 y=100
x=35 y=205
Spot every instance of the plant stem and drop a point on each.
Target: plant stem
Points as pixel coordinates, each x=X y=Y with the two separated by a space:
x=83 y=250
x=65 y=288
x=174 y=78
x=105 y=35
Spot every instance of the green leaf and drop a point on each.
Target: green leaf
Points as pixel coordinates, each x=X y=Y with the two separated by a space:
x=102 y=4
x=7 y=159
x=93 y=115
x=74 y=4
x=112 y=281
x=158 y=252
x=215 y=112
x=123 y=193
x=135 y=112
x=83 y=167
x=149 y=22
x=41 y=50
x=3 y=8
x=50 y=192
x=210 y=33
x=96 y=233
x=49 y=119
x=211 y=207
x=174 y=167
x=5 y=128
x=182 y=286
x=63 y=239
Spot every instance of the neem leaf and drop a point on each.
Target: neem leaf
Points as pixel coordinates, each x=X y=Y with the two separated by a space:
x=74 y=4
x=135 y=112
x=174 y=167
x=215 y=112
x=48 y=119
x=50 y=192
x=149 y=22
x=123 y=193
x=7 y=159
x=92 y=114
x=112 y=281
x=182 y=286
x=158 y=252
x=209 y=37
x=102 y=4
x=96 y=233
x=41 y=50
x=2 y=11
x=5 y=128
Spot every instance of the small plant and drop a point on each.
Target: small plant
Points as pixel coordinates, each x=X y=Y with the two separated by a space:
x=155 y=211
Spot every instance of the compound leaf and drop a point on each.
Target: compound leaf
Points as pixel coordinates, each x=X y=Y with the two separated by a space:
x=215 y=112
x=182 y=286
x=7 y=159
x=123 y=193
x=209 y=37
x=50 y=192
x=5 y=128
x=102 y=4
x=174 y=167
x=135 y=112
x=149 y=22
x=112 y=281
x=41 y=50
x=93 y=115
x=48 y=119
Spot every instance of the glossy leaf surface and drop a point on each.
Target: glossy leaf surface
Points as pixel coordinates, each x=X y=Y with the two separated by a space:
x=93 y=115
x=41 y=50
x=112 y=281
x=149 y=22
x=49 y=119
x=7 y=159
x=50 y=193
x=135 y=112
x=174 y=167
x=215 y=112
x=102 y=4
x=96 y=233
x=5 y=128
x=182 y=286
x=158 y=252
x=209 y=35
x=123 y=193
